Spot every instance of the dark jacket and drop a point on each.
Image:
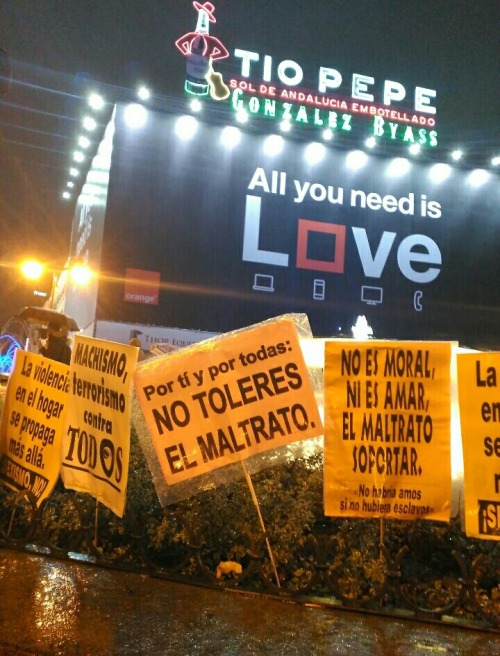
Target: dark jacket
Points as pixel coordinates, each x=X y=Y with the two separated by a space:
x=57 y=349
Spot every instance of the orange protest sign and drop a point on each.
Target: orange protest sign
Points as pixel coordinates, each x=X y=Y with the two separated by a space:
x=478 y=383
x=32 y=423
x=221 y=401
x=387 y=429
x=96 y=439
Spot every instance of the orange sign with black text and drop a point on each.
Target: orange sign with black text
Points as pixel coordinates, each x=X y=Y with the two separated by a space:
x=96 y=439
x=226 y=399
x=478 y=384
x=32 y=422
x=387 y=429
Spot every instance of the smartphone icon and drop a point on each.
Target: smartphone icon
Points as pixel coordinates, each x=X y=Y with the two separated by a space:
x=319 y=290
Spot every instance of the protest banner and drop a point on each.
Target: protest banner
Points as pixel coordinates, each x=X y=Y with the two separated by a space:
x=96 y=436
x=387 y=429
x=220 y=401
x=478 y=384
x=32 y=424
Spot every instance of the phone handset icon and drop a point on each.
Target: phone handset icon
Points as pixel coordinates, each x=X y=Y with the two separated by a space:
x=417 y=301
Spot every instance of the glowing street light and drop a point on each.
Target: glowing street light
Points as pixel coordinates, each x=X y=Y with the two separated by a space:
x=79 y=273
x=32 y=269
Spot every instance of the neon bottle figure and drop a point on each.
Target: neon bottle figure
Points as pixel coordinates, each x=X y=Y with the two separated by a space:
x=200 y=49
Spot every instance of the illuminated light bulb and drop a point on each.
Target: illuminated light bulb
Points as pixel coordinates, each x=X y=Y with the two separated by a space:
x=478 y=177
x=328 y=134
x=89 y=123
x=314 y=153
x=231 y=136
x=83 y=142
x=398 y=167
x=74 y=173
x=186 y=127
x=32 y=269
x=195 y=105
x=285 y=126
x=439 y=172
x=70 y=184
x=242 y=116
x=371 y=142
x=415 y=149
x=143 y=93
x=135 y=116
x=96 y=101
x=80 y=274
x=456 y=155
x=273 y=145
x=78 y=156
x=66 y=195
x=495 y=161
x=356 y=160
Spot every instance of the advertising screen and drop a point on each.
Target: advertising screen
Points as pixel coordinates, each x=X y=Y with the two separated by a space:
x=240 y=226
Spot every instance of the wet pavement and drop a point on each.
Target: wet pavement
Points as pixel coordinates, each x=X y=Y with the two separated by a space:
x=73 y=609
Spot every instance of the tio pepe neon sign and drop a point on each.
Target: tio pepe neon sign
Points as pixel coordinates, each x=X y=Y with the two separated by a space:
x=330 y=79
x=277 y=93
x=285 y=100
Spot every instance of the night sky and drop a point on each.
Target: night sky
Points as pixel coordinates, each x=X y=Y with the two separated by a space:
x=60 y=49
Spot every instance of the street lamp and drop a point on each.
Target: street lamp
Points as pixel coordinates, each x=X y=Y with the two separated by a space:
x=32 y=269
x=79 y=273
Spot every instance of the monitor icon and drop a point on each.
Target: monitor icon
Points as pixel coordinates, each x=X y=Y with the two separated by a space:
x=263 y=282
x=372 y=295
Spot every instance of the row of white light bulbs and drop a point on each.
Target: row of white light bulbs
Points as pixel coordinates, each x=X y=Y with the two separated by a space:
x=96 y=103
x=242 y=116
x=135 y=116
x=186 y=127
